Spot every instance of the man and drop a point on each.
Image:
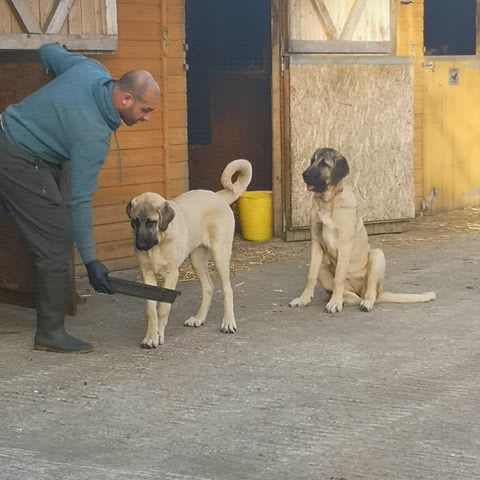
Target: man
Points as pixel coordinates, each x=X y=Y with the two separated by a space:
x=70 y=120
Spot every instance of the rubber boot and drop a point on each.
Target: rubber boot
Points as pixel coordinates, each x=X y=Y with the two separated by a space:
x=51 y=296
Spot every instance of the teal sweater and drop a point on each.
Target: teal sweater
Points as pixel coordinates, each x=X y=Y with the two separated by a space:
x=71 y=120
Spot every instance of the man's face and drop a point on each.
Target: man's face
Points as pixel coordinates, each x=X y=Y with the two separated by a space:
x=134 y=111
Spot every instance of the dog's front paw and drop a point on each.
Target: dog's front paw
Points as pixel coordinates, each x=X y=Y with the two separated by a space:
x=152 y=341
x=194 y=322
x=228 y=326
x=301 y=301
x=333 y=306
x=366 y=305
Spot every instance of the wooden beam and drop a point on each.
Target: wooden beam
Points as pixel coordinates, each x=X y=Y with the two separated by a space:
x=25 y=15
x=326 y=19
x=58 y=15
x=337 y=46
x=353 y=18
x=82 y=43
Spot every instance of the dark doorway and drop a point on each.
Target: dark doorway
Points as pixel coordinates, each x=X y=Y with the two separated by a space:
x=228 y=89
x=450 y=27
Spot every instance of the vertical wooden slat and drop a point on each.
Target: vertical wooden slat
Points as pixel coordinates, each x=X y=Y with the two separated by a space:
x=111 y=17
x=278 y=32
x=88 y=16
x=5 y=16
x=75 y=19
x=165 y=103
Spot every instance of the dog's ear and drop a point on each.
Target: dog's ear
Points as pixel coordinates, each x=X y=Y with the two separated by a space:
x=340 y=169
x=130 y=207
x=166 y=215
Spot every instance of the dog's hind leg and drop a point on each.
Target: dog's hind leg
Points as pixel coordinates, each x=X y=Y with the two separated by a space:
x=325 y=280
x=374 y=280
x=151 y=336
x=199 y=258
x=221 y=256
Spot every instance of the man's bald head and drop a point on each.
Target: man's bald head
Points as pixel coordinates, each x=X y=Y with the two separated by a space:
x=139 y=83
x=135 y=96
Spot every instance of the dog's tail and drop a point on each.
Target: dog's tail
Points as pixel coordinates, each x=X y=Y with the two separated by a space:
x=234 y=189
x=389 y=297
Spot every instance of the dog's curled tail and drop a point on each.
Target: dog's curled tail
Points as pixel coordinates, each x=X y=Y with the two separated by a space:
x=389 y=297
x=234 y=189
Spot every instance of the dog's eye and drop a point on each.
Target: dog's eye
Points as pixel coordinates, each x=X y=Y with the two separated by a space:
x=150 y=223
x=134 y=222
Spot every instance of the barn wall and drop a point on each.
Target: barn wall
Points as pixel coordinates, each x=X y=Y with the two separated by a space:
x=366 y=118
x=154 y=154
x=410 y=43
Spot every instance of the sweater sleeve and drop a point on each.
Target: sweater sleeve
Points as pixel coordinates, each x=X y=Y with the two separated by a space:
x=57 y=59
x=85 y=163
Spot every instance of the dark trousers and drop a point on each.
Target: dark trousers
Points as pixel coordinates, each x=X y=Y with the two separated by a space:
x=30 y=194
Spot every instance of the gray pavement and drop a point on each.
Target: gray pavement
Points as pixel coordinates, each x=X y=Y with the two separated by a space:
x=295 y=394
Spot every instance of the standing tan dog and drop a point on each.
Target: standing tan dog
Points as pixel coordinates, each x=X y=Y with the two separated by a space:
x=341 y=258
x=196 y=224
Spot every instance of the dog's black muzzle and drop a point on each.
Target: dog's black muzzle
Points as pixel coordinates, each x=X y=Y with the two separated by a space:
x=314 y=181
x=144 y=244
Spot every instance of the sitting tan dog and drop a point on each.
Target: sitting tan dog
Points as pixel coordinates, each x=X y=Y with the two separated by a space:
x=196 y=224
x=341 y=258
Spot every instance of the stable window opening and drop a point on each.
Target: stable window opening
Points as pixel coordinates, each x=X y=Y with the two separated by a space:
x=450 y=27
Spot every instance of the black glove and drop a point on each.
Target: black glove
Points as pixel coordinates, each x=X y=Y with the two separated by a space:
x=97 y=276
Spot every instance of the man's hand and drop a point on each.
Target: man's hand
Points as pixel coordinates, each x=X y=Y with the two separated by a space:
x=97 y=276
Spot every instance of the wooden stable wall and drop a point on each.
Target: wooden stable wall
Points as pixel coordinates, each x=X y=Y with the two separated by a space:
x=446 y=119
x=410 y=43
x=154 y=154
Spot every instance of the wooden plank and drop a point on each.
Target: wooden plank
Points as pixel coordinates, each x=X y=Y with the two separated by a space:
x=133 y=138
x=46 y=11
x=140 y=49
x=178 y=153
x=118 y=65
x=132 y=13
x=111 y=16
x=74 y=19
x=337 y=46
x=177 y=83
x=131 y=175
x=88 y=17
x=120 y=231
x=177 y=135
x=278 y=25
x=177 y=118
x=5 y=17
x=58 y=16
x=26 y=16
x=123 y=194
x=326 y=19
x=351 y=23
x=178 y=101
x=146 y=31
x=107 y=214
x=84 y=43
x=135 y=158
x=100 y=18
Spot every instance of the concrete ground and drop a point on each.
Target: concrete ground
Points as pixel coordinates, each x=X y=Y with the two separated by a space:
x=295 y=394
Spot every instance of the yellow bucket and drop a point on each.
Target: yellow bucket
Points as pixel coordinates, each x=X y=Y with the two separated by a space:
x=255 y=211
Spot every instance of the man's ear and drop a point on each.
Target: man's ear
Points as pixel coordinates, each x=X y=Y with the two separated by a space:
x=126 y=99
x=166 y=215
x=340 y=170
